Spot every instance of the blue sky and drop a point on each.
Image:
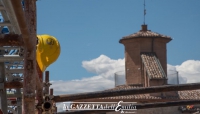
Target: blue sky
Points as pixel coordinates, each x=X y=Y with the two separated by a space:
x=87 y=29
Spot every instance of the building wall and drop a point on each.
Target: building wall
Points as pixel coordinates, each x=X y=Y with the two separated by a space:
x=156 y=82
x=161 y=51
x=133 y=62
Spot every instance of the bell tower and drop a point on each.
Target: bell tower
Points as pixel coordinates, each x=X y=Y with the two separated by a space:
x=146 y=57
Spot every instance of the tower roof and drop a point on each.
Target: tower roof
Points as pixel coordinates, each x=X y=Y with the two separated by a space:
x=145 y=33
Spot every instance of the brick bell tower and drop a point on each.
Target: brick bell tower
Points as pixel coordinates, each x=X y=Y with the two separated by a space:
x=146 y=58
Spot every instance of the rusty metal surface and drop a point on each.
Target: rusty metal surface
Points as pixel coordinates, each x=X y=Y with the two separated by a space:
x=11 y=40
x=46 y=88
x=39 y=89
x=140 y=106
x=21 y=19
x=27 y=22
x=51 y=91
x=99 y=94
x=1 y=111
x=13 y=85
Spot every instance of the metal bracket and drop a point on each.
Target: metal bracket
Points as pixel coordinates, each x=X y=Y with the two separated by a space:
x=48 y=105
x=47 y=84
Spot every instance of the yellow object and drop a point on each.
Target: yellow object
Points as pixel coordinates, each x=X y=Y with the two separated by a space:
x=48 y=50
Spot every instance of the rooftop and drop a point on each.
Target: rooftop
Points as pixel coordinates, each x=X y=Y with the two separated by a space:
x=181 y=95
x=153 y=66
x=145 y=33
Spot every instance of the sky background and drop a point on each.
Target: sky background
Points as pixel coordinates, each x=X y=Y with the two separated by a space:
x=89 y=33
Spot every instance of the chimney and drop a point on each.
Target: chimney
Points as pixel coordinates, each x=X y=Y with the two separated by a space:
x=144 y=28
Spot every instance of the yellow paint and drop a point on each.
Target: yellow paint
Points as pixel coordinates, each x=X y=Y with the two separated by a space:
x=48 y=50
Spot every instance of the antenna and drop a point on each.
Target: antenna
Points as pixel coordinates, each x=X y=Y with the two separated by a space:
x=144 y=12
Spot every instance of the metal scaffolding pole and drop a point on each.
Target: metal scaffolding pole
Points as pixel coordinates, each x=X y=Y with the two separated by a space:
x=3 y=91
x=19 y=100
x=46 y=88
x=27 y=22
x=22 y=17
x=39 y=90
x=5 y=58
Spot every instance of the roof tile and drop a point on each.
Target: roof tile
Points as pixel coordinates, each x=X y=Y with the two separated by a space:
x=152 y=65
x=182 y=95
x=147 y=33
x=144 y=33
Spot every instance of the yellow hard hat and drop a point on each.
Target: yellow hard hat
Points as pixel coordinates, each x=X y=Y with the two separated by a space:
x=48 y=50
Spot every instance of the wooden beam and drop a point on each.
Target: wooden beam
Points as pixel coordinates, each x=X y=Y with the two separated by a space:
x=11 y=40
x=143 y=90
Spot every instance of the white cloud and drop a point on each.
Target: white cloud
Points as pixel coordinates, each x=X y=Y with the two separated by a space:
x=105 y=68
x=174 y=76
x=103 y=64
x=190 y=70
x=84 y=85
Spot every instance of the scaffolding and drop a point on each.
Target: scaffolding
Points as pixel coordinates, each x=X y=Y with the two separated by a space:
x=22 y=87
